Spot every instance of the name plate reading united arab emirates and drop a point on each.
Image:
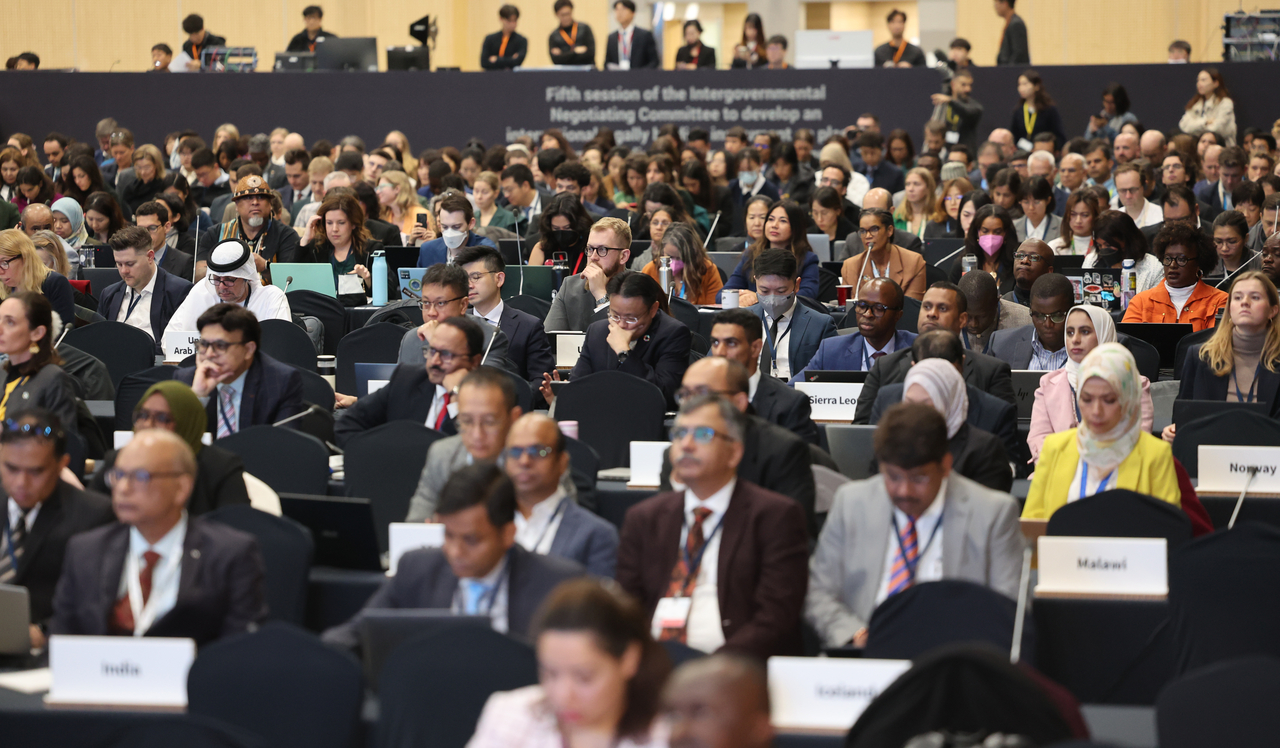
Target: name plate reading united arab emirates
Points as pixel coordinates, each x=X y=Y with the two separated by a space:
x=126 y=670
x=826 y=693
x=1103 y=566
x=832 y=401
x=178 y=344
x=403 y=537
x=568 y=348
x=1226 y=469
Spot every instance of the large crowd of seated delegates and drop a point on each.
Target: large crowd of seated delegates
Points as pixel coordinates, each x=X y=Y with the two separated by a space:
x=733 y=556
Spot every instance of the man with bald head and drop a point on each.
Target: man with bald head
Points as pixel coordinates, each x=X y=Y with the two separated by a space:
x=36 y=217
x=1209 y=166
x=721 y=701
x=987 y=311
x=877 y=311
x=1152 y=144
x=548 y=519
x=878 y=197
x=1003 y=138
x=178 y=576
x=1033 y=259
x=1125 y=148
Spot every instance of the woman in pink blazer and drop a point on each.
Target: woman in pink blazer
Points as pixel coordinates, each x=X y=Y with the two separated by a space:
x=1087 y=327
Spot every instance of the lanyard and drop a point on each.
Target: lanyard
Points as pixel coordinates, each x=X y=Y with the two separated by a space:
x=773 y=347
x=624 y=45
x=897 y=55
x=1084 y=479
x=1075 y=405
x=4 y=402
x=911 y=566
x=1253 y=386
x=571 y=37
x=547 y=528
x=502 y=49
x=696 y=562
x=145 y=615
x=1029 y=119
x=137 y=297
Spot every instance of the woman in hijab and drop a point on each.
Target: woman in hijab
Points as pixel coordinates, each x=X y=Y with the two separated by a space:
x=1109 y=449
x=1087 y=327
x=173 y=406
x=977 y=455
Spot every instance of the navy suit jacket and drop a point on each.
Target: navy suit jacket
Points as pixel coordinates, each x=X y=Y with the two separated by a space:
x=529 y=348
x=660 y=357
x=887 y=176
x=808 y=329
x=845 y=353
x=408 y=397
x=169 y=293
x=780 y=405
x=272 y=392
x=739 y=203
x=435 y=252
x=586 y=538
x=986 y=412
x=644 y=50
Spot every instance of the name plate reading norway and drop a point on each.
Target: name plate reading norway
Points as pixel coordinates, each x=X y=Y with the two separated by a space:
x=827 y=693
x=568 y=348
x=178 y=344
x=832 y=401
x=136 y=671
x=403 y=537
x=1227 y=468
x=1103 y=566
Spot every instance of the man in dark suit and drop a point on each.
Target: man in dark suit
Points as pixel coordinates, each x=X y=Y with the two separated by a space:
x=298 y=181
x=456 y=223
x=156 y=217
x=241 y=386
x=418 y=393
x=793 y=331
x=630 y=47
x=529 y=349
x=158 y=571
x=1231 y=168
x=1013 y=40
x=583 y=296
x=480 y=570
x=42 y=512
x=749 y=183
x=723 y=563
x=1179 y=204
x=943 y=308
x=878 y=309
x=638 y=338
x=879 y=172
x=738 y=335
x=504 y=50
x=146 y=296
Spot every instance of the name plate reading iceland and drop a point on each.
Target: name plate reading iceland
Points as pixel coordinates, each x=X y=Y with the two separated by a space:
x=121 y=670
x=403 y=537
x=568 y=348
x=178 y=344
x=1103 y=566
x=826 y=693
x=832 y=401
x=1226 y=469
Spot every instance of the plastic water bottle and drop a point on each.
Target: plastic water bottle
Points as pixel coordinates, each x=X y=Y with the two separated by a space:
x=379 y=278
x=968 y=263
x=1128 y=283
x=664 y=275
x=86 y=257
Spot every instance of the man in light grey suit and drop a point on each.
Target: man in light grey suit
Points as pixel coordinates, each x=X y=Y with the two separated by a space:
x=548 y=518
x=916 y=522
x=583 y=295
x=1041 y=344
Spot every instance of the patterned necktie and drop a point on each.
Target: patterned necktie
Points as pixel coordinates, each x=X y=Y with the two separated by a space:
x=876 y=357
x=476 y=590
x=226 y=411
x=681 y=580
x=122 y=614
x=444 y=412
x=904 y=561
x=9 y=559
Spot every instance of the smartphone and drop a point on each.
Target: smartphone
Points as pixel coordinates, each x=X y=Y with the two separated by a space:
x=423 y=219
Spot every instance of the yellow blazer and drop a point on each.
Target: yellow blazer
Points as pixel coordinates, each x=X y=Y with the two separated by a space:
x=1147 y=470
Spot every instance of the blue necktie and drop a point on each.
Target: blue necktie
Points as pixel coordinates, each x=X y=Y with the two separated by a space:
x=476 y=590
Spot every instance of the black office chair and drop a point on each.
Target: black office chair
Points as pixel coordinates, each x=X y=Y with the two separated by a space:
x=539 y=308
x=467 y=664
x=282 y=684
x=1184 y=347
x=731 y=244
x=680 y=653
x=131 y=389
x=827 y=282
x=1145 y=355
x=288 y=343
x=699 y=344
x=123 y=348
x=405 y=313
x=287 y=460
x=100 y=277
x=1230 y=703
x=524 y=391
x=371 y=344
x=384 y=464
x=1235 y=427
x=287 y=549
x=186 y=730
x=327 y=309
x=933 y=274
x=316 y=390
x=613 y=409
x=1121 y=513
x=814 y=305
x=930 y=615
x=584 y=467
x=910 y=315
x=687 y=314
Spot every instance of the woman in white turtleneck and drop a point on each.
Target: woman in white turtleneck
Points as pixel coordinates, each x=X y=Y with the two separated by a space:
x=1077 y=224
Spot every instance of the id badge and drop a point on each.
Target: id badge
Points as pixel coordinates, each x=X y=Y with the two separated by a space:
x=1025 y=145
x=952 y=137
x=673 y=612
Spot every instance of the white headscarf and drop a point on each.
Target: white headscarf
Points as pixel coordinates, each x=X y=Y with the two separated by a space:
x=232 y=259
x=946 y=389
x=1103 y=326
x=1113 y=364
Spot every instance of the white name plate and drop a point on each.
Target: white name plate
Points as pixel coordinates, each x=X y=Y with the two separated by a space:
x=178 y=344
x=646 y=463
x=568 y=348
x=826 y=693
x=403 y=537
x=1226 y=468
x=832 y=401
x=377 y=384
x=135 y=671
x=1102 y=566
x=121 y=438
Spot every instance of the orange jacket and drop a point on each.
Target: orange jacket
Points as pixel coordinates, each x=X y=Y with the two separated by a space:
x=1154 y=305
x=711 y=283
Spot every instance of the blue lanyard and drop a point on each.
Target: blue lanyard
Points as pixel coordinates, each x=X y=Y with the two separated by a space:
x=1084 y=480
x=485 y=603
x=1253 y=386
x=550 y=522
x=696 y=562
x=137 y=297
x=911 y=565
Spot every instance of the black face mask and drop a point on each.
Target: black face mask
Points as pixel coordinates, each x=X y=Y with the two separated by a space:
x=565 y=238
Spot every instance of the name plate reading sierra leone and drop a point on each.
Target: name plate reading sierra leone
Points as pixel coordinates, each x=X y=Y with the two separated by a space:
x=178 y=344
x=1102 y=566
x=134 y=671
x=1226 y=469
x=826 y=693
x=832 y=401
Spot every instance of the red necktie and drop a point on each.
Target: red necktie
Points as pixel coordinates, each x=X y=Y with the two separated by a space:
x=903 y=574
x=444 y=412
x=680 y=583
x=122 y=614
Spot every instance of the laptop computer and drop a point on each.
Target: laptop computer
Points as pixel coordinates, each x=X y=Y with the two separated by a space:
x=1025 y=384
x=382 y=630
x=400 y=257
x=530 y=280
x=342 y=527
x=372 y=374
x=304 y=276
x=15 y=620
x=1061 y=262
x=942 y=252
x=821 y=244
x=1186 y=411
x=842 y=377
x=1163 y=335
x=1097 y=286
x=512 y=250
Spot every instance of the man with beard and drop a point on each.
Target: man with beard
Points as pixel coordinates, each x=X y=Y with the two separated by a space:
x=232 y=279
x=1033 y=259
x=269 y=240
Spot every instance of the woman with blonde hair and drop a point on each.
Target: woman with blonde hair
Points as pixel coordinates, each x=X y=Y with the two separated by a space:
x=52 y=254
x=485 y=194
x=21 y=269
x=399 y=140
x=694 y=277
x=945 y=221
x=226 y=133
x=917 y=202
x=399 y=202
x=148 y=166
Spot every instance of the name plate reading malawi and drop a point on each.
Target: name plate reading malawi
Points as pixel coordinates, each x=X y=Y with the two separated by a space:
x=826 y=693
x=1103 y=566
x=1226 y=469
x=832 y=401
x=133 y=671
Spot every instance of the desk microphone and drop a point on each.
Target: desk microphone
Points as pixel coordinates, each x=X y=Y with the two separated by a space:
x=1240 y=501
x=1020 y=617
x=296 y=416
x=287 y=281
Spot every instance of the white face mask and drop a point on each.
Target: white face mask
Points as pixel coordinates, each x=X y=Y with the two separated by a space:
x=453 y=238
x=747 y=178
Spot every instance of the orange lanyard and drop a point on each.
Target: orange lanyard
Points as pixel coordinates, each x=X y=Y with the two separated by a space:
x=502 y=50
x=897 y=56
x=572 y=37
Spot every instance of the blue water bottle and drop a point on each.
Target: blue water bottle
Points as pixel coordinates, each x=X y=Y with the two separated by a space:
x=379 y=278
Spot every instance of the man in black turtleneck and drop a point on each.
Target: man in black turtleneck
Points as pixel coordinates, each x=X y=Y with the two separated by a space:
x=1027 y=269
x=307 y=39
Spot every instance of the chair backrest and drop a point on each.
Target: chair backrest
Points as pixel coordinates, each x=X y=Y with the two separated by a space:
x=288 y=343
x=287 y=460
x=827 y=282
x=524 y=392
x=316 y=389
x=934 y=614
x=131 y=389
x=812 y=304
x=613 y=409
x=1237 y=428
x=1184 y=348
x=282 y=684
x=467 y=665
x=286 y=548
x=933 y=274
x=327 y=309
x=123 y=348
x=826 y=481
x=1122 y=514
x=539 y=308
x=687 y=314
x=402 y=313
x=851 y=448
x=100 y=277
x=385 y=463
x=584 y=467
x=910 y=316
x=372 y=344
x=1227 y=704
x=1145 y=355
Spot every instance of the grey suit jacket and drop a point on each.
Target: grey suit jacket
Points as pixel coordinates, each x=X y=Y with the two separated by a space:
x=1013 y=346
x=495 y=342
x=586 y=538
x=1012 y=315
x=981 y=543
x=445 y=457
x=574 y=307
x=1054 y=230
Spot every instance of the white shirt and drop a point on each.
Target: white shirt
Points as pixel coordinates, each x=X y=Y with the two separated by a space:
x=492 y=603
x=15 y=512
x=166 y=575
x=1179 y=296
x=753 y=383
x=704 y=630
x=755 y=188
x=782 y=356
x=493 y=317
x=929 y=560
x=141 y=316
x=538 y=532
x=1038 y=231
x=266 y=302
x=436 y=404
x=1149 y=215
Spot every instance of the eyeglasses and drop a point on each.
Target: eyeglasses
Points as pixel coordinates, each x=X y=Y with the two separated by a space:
x=659 y=224
x=152 y=416
x=1031 y=257
x=221 y=346
x=876 y=310
x=871 y=231
x=952 y=198
x=700 y=434
x=439 y=305
x=154 y=229
x=477 y=276
x=600 y=250
x=534 y=452
x=627 y=320
x=1056 y=318
x=1179 y=260
x=446 y=357
x=140 y=478
x=225 y=281
x=4 y=264
x=467 y=423
x=686 y=393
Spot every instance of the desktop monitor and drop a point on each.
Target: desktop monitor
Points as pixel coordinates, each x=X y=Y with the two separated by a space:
x=351 y=54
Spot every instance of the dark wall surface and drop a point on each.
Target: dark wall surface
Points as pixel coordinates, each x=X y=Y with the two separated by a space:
x=437 y=109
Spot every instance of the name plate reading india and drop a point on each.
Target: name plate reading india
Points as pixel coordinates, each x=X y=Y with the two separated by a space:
x=832 y=401
x=124 y=670
x=826 y=693
x=1102 y=566
x=1226 y=469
